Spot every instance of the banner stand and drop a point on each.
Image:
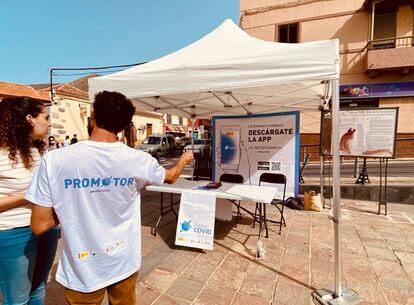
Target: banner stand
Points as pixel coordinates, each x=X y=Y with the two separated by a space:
x=322 y=181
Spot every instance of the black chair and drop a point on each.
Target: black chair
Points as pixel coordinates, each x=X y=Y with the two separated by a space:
x=273 y=179
x=202 y=168
x=233 y=178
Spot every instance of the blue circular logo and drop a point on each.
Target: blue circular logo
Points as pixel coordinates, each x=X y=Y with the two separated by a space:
x=186 y=225
x=107 y=181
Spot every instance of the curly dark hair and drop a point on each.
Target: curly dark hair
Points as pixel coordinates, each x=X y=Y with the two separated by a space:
x=15 y=129
x=112 y=111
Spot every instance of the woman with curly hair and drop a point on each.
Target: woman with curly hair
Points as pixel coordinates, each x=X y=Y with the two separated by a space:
x=25 y=259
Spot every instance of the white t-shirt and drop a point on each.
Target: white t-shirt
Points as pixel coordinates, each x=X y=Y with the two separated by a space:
x=94 y=188
x=14 y=180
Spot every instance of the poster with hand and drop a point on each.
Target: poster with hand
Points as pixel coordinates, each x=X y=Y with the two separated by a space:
x=363 y=132
x=255 y=144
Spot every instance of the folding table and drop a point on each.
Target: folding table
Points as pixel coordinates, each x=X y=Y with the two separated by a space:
x=255 y=193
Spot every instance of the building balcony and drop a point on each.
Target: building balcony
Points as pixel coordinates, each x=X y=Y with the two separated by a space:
x=390 y=54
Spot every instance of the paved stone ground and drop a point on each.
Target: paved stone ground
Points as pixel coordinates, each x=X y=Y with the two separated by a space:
x=377 y=259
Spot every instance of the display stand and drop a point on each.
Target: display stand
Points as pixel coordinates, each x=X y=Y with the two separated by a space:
x=305 y=162
x=326 y=193
x=328 y=190
x=363 y=176
x=382 y=200
x=322 y=180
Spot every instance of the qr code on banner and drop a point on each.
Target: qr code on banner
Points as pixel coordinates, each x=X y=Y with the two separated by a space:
x=276 y=166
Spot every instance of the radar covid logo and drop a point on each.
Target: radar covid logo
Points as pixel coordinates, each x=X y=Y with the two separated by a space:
x=185 y=225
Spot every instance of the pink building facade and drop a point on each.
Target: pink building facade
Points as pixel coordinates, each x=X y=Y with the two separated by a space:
x=376 y=47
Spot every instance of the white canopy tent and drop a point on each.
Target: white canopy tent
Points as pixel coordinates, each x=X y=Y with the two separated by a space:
x=228 y=72
x=229 y=68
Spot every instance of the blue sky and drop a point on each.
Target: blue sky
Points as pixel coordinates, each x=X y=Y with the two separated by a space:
x=38 y=35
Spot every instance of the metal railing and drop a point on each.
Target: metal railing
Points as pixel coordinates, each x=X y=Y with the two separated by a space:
x=391 y=43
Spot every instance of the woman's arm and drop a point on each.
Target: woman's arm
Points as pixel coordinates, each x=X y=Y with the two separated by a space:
x=11 y=201
x=43 y=219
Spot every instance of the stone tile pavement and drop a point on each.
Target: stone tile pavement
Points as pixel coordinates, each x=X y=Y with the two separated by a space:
x=377 y=259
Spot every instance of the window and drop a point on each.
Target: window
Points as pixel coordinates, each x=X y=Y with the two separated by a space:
x=289 y=33
x=169 y=119
x=152 y=140
x=149 y=129
x=180 y=120
x=384 y=27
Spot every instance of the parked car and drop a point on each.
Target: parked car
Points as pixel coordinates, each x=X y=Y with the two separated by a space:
x=201 y=147
x=158 y=145
x=182 y=142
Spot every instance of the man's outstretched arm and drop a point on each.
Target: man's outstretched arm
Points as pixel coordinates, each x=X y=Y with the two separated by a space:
x=172 y=174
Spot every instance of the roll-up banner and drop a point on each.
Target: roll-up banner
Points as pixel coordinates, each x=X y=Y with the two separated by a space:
x=256 y=144
x=195 y=224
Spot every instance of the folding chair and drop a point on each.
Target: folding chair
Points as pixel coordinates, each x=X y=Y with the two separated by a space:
x=279 y=179
x=233 y=178
x=202 y=168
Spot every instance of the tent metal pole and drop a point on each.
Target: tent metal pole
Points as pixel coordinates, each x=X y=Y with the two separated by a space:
x=340 y=295
x=192 y=138
x=336 y=177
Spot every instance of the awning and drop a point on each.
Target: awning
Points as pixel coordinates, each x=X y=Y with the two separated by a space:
x=174 y=128
x=182 y=129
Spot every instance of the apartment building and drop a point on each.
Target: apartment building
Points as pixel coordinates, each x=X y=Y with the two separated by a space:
x=376 y=48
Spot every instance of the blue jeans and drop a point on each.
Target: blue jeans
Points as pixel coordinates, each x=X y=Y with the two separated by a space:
x=25 y=262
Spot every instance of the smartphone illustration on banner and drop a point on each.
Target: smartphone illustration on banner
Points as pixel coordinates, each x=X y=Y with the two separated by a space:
x=230 y=146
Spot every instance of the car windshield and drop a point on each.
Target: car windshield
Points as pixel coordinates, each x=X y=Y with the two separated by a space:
x=152 y=140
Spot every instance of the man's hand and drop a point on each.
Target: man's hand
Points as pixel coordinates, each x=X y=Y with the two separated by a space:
x=172 y=174
x=187 y=157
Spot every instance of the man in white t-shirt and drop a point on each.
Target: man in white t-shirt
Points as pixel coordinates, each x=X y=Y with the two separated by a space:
x=92 y=189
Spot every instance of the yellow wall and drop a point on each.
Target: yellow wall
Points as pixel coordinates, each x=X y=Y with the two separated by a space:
x=140 y=123
x=69 y=117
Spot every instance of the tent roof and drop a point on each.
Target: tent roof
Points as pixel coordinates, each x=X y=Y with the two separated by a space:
x=228 y=72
